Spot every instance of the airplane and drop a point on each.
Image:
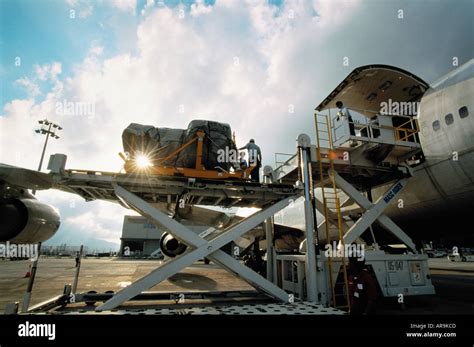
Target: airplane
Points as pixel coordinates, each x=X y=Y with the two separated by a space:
x=439 y=196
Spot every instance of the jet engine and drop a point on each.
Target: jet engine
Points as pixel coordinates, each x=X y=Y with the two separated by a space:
x=26 y=220
x=170 y=246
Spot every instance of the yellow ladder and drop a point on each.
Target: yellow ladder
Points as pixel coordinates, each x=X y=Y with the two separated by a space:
x=331 y=201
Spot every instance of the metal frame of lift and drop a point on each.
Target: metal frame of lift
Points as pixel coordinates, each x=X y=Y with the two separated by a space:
x=201 y=248
x=375 y=211
x=316 y=282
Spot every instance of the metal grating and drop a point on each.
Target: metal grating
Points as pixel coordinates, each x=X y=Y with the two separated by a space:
x=300 y=308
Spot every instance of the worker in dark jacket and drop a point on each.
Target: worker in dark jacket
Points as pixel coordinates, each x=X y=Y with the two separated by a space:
x=362 y=288
x=78 y=257
x=255 y=159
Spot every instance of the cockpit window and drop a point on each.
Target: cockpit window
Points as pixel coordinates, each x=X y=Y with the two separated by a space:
x=463 y=112
x=436 y=125
x=449 y=119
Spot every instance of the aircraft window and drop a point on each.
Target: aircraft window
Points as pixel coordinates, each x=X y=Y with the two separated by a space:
x=463 y=112
x=449 y=119
x=436 y=125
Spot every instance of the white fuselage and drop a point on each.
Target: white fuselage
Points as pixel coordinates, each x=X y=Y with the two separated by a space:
x=443 y=186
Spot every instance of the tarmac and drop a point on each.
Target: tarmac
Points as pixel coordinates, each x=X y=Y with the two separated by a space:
x=106 y=274
x=454 y=282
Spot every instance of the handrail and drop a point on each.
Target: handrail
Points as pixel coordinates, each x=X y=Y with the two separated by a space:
x=407 y=132
x=280 y=163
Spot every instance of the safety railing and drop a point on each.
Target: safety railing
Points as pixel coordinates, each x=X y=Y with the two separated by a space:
x=407 y=131
x=279 y=161
x=365 y=129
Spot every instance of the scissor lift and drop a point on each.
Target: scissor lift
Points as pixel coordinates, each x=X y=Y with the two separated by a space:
x=312 y=279
x=201 y=247
x=335 y=170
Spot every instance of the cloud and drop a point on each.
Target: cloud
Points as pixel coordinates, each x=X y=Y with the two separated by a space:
x=85 y=7
x=124 y=5
x=149 y=4
x=44 y=73
x=48 y=71
x=55 y=70
x=41 y=71
x=29 y=85
x=96 y=50
x=332 y=13
x=92 y=224
x=199 y=8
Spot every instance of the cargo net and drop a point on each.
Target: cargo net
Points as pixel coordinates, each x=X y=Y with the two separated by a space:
x=159 y=143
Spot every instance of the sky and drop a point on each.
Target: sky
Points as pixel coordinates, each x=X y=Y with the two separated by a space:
x=261 y=66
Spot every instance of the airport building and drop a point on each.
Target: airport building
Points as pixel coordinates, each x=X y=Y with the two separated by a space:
x=140 y=236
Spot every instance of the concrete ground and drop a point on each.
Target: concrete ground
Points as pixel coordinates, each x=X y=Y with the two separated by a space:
x=446 y=264
x=454 y=282
x=106 y=274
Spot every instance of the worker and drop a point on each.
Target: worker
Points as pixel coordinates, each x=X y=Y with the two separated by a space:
x=242 y=162
x=362 y=287
x=344 y=114
x=255 y=159
x=77 y=258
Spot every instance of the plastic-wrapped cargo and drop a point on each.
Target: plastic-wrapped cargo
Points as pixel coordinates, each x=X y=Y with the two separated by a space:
x=169 y=140
x=155 y=143
x=135 y=138
x=158 y=143
x=218 y=137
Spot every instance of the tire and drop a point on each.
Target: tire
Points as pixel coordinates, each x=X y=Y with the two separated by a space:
x=91 y=303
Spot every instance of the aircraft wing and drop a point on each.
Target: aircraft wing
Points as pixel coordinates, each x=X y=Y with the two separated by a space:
x=25 y=178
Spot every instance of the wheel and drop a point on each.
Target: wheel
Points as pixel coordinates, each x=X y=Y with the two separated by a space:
x=91 y=303
x=206 y=261
x=463 y=259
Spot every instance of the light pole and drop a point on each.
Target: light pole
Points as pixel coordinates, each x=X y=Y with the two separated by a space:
x=49 y=129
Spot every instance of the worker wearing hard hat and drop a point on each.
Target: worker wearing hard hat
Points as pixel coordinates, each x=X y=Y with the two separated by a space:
x=255 y=159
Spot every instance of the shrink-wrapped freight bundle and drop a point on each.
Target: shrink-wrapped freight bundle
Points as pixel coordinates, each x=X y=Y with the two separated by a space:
x=160 y=143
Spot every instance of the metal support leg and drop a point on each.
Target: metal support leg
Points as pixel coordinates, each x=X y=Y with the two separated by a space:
x=310 y=241
x=202 y=248
x=31 y=281
x=270 y=249
x=78 y=269
x=269 y=234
